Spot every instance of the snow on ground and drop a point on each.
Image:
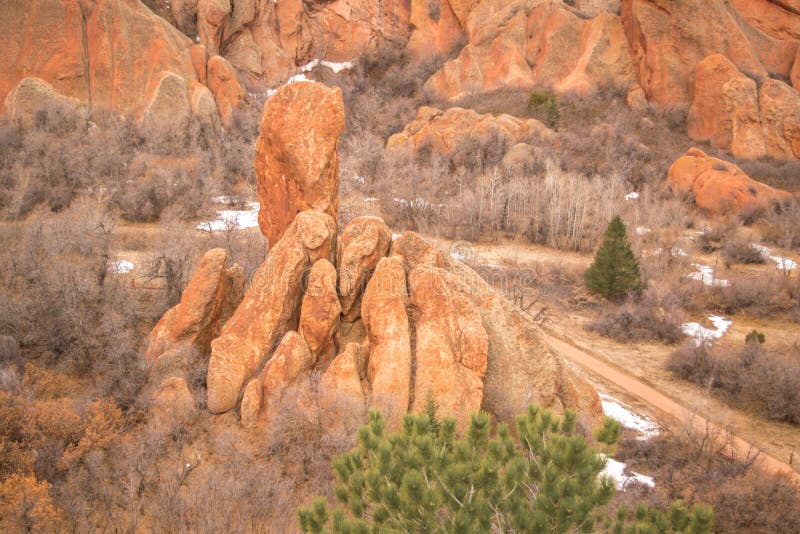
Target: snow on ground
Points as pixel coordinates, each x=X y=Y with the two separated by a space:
x=616 y=410
x=703 y=335
x=370 y=199
x=675 y=252
x=632 y=196
x=616 y=471
x=641 y=230
x=121 y=266
x=396 y=236
x=335 y=67
x=784 y=264
x=705 y=274
x=233 y=219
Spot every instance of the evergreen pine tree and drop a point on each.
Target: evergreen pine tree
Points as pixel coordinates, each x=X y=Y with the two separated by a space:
x=615 y=270
x=543 y=480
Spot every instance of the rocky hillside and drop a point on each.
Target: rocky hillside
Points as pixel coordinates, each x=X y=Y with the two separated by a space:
x=373 y=321
x=735 y=64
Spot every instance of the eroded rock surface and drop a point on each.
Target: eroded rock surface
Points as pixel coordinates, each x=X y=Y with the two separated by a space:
x=269 y=309
x=297 y=161
x=365 y=240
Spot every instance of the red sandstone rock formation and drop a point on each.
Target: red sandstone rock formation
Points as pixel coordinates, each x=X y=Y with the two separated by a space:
x=269 y=309
x=383 y=310
x=297 y=163
x=719 y=187
x=365 y=240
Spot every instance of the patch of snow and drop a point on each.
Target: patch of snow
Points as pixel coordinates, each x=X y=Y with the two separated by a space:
x=703 y=335
x=616 y=410
x=360 y=179
x=122 y=266
x=784 y=264
x=678 y=252
x=705 y=274
x=632 y=196
x=370 y=199
x=395 y=236
x=233 y=219
x=459 y=256
x=335 y=67
x=615 y=470
x=641 y=230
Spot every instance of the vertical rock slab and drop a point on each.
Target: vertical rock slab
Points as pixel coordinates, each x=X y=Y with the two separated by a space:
x=261 y=402
x=669 y=38
x=725 y=108
x=383 y=311
x=365 y=240
x=451 y=345
x=269 y=309
x=319 y=313
x=199 y=316
x=228 y=92
x=341 y=396
x=297 y=158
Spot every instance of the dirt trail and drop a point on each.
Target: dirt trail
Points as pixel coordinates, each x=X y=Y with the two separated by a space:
x=666 y=404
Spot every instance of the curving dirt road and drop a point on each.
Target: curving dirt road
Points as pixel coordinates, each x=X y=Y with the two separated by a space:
x=667 y=405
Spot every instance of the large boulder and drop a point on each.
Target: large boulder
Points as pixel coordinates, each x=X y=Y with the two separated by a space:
x=718 y=187
x=269 y=309
x=451 y=345
x=383 y=311
x=291 y=362
x=210 y=297
x=456 y=131
x=319 y=313
x=668 y=39
x=297 y=161
x=725 y=108
x=521 y=368
x=365 y=240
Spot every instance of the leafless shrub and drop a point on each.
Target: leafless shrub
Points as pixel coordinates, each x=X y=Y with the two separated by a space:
x=741 y=250
x=641 y=319
x=752 y=377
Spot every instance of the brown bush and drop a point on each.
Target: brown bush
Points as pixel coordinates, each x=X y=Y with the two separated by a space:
x=765 y=381
x=641 y=319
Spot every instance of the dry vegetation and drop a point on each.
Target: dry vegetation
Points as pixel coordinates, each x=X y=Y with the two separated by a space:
x=77 y=452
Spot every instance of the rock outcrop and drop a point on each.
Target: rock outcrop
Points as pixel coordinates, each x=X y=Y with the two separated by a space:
x=669 y=39
x=209 y=299
x=383 y=310
x=365 y=240
x=528 y=44
x=779 y=105
x=291 y=361
x=451 y=345
x=269 y=309
x=731 y=112
x=297 y=164
x=456 y=131
x=228 y=92
x=719 y=187
x=725 y=108
x=107 y=54
x=319 y=313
